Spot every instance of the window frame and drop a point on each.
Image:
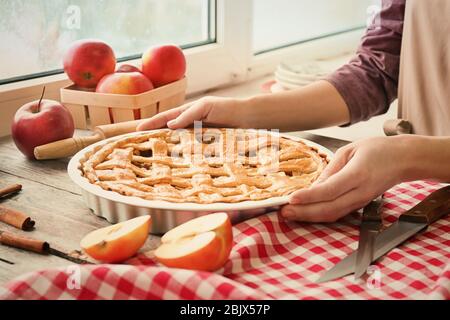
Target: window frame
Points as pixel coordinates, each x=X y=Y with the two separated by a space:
x=230 y=60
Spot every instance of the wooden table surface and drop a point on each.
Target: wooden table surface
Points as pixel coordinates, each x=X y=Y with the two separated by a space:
x=55 y=203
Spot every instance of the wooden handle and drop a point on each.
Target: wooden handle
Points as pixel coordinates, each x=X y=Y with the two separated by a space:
x=430 y=209
x=371 y=212
x=115 y=129
x=68 y=147
x=28 y=244
x=64 y=148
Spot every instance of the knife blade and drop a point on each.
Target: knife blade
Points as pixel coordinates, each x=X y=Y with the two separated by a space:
x=368 y=230
x=68 y=256
x=6 y=261
x=431 y=209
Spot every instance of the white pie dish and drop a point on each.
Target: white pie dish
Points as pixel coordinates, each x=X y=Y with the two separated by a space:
x=165 y=215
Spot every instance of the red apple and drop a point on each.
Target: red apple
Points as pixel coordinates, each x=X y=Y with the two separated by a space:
x=202 y=244
x=87 y=61
x=40 y=122
x=124 y=83
x=164 y=64
x=128 y=68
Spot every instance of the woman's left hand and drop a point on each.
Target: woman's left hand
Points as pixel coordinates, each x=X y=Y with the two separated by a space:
x=358 y=173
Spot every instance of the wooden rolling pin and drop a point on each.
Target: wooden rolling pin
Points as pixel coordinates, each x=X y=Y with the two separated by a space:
x=68 y=147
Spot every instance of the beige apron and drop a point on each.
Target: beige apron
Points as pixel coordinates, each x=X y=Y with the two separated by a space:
x=424 y=83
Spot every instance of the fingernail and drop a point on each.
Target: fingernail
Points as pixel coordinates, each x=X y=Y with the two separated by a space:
x=171 y=122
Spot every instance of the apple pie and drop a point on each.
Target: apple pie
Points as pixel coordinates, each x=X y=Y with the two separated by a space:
x=203 y=165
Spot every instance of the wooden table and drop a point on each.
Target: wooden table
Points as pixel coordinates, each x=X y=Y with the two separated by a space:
x=62 y=217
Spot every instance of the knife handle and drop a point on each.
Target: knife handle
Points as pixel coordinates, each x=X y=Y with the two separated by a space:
x=371 y=212
x=25 y=243
x=430 y=209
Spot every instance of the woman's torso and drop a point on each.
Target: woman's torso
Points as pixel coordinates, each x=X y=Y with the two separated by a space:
x=424 y=83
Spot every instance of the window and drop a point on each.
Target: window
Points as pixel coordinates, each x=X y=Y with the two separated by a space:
x=225 y=41
x=279 y=23
x=34 y=34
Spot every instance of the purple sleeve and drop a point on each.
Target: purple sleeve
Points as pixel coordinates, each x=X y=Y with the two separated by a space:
x=368 y=83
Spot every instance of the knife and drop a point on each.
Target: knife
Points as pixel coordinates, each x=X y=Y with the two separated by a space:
x=368 y=230
x=431 y=209
x=38 y=246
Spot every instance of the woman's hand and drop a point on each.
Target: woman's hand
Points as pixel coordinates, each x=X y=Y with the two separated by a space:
x=358 y=173
x=213 y=111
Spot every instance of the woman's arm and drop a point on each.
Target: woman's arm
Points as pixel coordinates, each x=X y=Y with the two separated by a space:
x=428 y=158
x=314 y=106
x=369 y=82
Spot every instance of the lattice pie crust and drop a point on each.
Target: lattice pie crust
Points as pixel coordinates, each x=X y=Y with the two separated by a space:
x=204 y=166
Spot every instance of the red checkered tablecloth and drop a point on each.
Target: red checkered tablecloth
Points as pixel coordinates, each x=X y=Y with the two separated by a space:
x=271 y=259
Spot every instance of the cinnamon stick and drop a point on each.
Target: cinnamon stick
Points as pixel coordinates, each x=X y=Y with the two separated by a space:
x=10 y=190
x=16 y=241
x=16 y=219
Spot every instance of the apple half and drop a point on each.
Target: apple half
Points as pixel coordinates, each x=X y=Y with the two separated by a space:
x=203 y=243
x=118 y=242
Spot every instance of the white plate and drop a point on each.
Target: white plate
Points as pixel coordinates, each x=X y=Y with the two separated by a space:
x=76 y=176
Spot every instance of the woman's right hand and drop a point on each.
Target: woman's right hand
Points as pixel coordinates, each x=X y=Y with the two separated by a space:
x=212 y=111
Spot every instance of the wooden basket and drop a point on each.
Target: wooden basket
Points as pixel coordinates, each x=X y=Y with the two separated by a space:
x=90 y=109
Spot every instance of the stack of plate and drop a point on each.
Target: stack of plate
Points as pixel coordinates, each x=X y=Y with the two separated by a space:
x=290 y=76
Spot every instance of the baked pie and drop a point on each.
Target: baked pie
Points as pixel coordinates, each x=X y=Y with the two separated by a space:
x=203 y=165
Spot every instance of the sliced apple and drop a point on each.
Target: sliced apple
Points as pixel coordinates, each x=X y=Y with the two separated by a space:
x=118 y=242
x=202 y=244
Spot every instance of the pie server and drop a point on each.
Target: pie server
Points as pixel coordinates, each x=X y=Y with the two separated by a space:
x=431 y=209
x=370 y=226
